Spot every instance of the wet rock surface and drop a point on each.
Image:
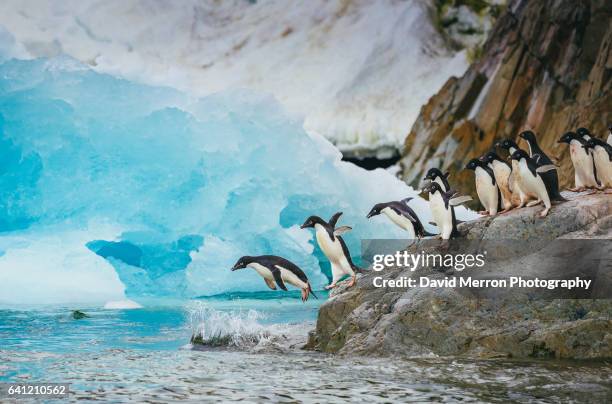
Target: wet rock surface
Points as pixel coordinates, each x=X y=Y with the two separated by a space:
x=366 y=320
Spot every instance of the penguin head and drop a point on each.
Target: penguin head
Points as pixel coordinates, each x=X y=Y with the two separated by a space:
x=432 y=188
x=473 y=163
x=434 y=173
x=519 y=154
x=506 y=144
x=242 y=262
x=528 y=136
x=490 y=157
x=582 y=132
x=311 y=221
x=375 y=211
x=568 y=137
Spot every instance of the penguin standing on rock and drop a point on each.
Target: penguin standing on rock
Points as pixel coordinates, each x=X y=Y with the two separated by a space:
x=514 y=180
x=277 y=271
x=334 y=247
x=602 y=157
x=531 y=179
x=551 y=179
x=402 y=215
x=585 y=174
x=501 y=171
x=442 y=208
x=486 y=186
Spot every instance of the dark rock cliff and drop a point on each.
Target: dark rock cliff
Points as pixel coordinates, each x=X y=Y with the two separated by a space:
x=546 y=66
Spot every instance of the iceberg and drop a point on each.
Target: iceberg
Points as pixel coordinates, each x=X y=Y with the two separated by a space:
x=118 y=190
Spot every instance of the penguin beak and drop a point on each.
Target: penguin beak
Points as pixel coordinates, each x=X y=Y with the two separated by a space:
x=236 y=266
x=305 y=225
x=369 y=215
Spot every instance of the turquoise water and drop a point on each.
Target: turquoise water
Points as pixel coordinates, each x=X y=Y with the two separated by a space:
x=144 y=354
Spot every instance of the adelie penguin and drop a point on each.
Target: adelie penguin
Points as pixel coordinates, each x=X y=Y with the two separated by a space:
x=602 y=157
x=333 y=246
x=514 y=180
x=442 y=205
x=486 y=186
x=402 y=215
x=551 y=179
x=277 y=271
x=531 y=179
x=434 y=174
x=585 y=174
x=501 y=171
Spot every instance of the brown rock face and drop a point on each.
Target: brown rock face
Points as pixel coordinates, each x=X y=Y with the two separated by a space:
x=547 y=67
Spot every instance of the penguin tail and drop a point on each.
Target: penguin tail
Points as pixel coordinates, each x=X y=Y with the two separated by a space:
x=312 y=291
x=428 y=234
x=558 y=198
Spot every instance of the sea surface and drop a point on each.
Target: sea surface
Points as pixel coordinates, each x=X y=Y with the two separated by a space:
x=145 y=355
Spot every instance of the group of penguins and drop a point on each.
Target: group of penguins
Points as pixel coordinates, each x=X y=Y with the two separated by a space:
x=529 y=180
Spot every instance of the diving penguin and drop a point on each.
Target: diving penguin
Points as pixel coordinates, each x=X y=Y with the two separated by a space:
x=442 y=208
x=402 y=215
x=515 y=177
x=531 y=179
x=486 y=186
x=334 y=247
x=602 y=156
x=585 y=174
x=551 y=179
x=277 y=270
x=501 y=170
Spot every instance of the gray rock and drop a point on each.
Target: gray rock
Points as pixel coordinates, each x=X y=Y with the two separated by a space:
x=367 y=320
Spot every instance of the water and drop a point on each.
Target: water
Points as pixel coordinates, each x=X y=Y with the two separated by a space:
x=144 y=355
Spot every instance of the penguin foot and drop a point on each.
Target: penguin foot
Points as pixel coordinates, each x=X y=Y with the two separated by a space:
x=544 y=212
x=352 y=282
x=577 y=189
x=608 y=191
x=484 y=213
x=331 y=286
x=534 y=203
x=305 y=293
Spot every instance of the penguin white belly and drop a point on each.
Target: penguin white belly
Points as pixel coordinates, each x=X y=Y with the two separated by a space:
x=442 y=216
x=334 y=253
x=441 y=183
x=502 y=175
x=262 y=271
x=291 y=278
x=533 y=184
x=487 y=192
x=401 y=221
x=583 y=165
x=603 y=166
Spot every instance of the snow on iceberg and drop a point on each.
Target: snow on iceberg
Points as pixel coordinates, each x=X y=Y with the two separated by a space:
x=183 y=186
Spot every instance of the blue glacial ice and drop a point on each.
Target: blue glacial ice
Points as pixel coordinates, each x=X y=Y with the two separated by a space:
x=109 y=188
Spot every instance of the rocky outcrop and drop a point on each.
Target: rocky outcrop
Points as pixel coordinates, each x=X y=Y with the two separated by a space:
x=448 y=321
x=547 y=66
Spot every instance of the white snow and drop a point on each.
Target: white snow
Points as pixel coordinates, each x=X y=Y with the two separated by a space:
x=358 y=71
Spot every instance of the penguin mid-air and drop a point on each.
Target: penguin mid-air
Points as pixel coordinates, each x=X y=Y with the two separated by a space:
x=486 y=186
x=515 y=177
x=585 y=175
x=501 y=170
x=531 y=179
x=551 y=179
x=277 y=271
x=434 y=174
x=602 y=156
x=334 y=247
x=442 y=208
x=402 y=215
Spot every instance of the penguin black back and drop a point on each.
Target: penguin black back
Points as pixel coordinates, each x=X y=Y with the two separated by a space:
x=550 y=178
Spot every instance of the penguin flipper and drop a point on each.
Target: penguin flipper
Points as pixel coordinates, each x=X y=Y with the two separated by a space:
x=341 y=230
x=270 y=283
x=458 y=200
x=278 y=278
x=334 y=219
x=546 y=168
